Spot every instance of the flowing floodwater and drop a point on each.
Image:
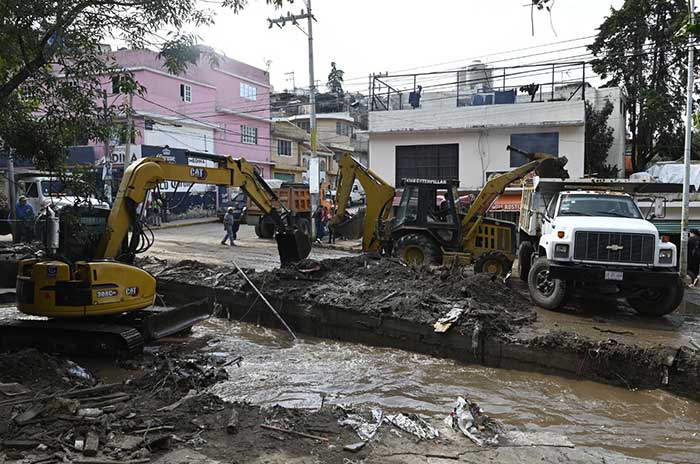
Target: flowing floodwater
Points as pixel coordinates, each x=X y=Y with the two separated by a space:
x=646 y=424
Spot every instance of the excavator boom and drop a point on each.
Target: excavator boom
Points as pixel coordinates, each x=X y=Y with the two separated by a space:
x=146 y=173
x=378 y=194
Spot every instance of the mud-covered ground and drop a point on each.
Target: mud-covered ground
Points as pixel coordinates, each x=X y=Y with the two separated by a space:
x=377 y=287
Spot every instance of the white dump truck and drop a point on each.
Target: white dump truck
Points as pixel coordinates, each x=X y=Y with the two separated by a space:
x=591 y=236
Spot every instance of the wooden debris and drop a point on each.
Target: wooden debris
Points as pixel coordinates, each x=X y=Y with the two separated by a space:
x=92 y=442
x=294 y=432
x=20 y=444
x=109 y=461
x=155 y=429
x=455 y=314
x=29 y=414
x=66 y=394
x=13 y=389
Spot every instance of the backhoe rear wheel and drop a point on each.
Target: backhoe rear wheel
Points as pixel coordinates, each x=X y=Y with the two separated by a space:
x=417 y=249
x=493 y=262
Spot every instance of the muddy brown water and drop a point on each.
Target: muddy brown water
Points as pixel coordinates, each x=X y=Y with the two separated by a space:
x=646 y=424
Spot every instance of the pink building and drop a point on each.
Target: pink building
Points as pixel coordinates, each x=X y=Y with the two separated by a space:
x=218 y=106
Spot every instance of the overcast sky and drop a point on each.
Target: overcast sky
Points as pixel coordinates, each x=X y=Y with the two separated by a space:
x=366 y=36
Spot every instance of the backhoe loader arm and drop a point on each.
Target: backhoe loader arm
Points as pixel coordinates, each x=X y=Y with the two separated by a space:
x=547 y=165
x=379 y=196
x=146 y=173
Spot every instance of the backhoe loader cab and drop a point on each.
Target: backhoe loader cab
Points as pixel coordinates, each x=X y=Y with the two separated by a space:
x=429 y=206
x=430 y=228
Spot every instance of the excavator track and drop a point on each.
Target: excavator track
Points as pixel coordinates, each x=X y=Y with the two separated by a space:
x=121 y=336
x=85 y=338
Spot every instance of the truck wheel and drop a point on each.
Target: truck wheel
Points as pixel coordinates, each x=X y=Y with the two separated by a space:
x=417 y=249
x=545 y=292
x=493 y=262
x=304 y=226
x=264 y=229
x=525 y=251
x=658 y=301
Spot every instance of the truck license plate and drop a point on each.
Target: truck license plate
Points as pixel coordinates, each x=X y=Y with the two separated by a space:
x=614 y=275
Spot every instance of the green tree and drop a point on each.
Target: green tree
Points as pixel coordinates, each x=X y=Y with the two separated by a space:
x=641 y=48
x=599 y=139
x=335 y=80
x=53 y=68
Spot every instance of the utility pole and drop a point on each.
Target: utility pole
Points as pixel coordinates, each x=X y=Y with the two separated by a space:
x=686 y=155
x=129 y=130
x=107 y=167
x=314 y=180
x=12 y=189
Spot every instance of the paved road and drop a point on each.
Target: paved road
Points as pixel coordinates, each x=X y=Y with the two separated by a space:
x=202 y=242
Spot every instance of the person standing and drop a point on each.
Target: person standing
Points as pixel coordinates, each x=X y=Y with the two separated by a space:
x=156 y=205
x=694 y=253
x=229 y=221
x=24 y=213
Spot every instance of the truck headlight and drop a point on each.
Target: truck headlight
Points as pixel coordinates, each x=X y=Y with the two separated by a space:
x=561 y=250
x=665 y=256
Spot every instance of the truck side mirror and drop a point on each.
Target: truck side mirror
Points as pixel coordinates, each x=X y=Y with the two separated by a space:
x=660 y=208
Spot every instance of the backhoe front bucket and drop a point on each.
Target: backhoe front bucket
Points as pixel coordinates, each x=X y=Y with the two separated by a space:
x=553 y=168
x=293 y=246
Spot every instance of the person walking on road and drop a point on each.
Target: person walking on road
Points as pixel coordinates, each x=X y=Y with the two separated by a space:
x=694 y=254
x=229 y=223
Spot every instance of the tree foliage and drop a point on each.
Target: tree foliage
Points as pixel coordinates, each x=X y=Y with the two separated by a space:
x=335 y=80
x=53 y=67
x=599 y=139
x=641 y=48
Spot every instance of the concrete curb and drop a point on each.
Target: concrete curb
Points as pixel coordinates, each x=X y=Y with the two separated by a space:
x=184 y=224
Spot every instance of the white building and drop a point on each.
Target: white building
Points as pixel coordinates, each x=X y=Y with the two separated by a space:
x=465 y=135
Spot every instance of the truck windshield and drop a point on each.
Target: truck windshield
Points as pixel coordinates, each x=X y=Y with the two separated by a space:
x=53 y=187
x=599 y=205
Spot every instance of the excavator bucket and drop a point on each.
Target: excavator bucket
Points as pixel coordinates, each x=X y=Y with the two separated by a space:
x=293 y=246
x=553 y=168
x=352 y=228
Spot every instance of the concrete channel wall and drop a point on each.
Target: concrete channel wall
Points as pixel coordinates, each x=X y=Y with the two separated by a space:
x=558 y=353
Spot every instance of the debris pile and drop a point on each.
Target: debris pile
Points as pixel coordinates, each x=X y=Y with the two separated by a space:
x=378 y=287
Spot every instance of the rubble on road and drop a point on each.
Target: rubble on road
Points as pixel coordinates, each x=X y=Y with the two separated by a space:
x=376 y=287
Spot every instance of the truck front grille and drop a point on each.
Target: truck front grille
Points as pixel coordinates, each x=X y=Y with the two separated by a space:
x=614 y=247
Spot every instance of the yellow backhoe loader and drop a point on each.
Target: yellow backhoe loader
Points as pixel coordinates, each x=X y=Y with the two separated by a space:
x=430 y=225
x=88 y=285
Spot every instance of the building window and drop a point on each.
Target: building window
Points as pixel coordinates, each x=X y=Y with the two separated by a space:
x=342 y=128
x=543 y=142
x=249 y=92
x=284 y=148
x=305 y=125
x=186 y=93
x=427 y=162
x=249 y=135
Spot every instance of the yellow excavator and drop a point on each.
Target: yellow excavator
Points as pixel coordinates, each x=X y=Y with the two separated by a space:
x=431 y=225
x=87 y=284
